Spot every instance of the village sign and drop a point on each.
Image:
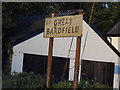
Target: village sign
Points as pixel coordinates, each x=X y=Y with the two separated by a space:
x=64 y=26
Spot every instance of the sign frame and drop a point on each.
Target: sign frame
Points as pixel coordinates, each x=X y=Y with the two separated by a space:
x=77 y=57
x=63 y=26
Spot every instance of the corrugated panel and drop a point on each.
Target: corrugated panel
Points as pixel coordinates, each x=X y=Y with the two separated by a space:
x=98 y=72
x=38 y=64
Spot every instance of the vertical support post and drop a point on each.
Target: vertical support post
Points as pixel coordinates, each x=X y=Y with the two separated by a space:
x=49 y=63
x=77 y=60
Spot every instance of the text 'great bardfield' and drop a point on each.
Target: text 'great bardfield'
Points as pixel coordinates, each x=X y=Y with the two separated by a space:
x=63 y=26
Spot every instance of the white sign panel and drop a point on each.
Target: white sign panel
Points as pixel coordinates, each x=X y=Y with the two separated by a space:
x=64 y=26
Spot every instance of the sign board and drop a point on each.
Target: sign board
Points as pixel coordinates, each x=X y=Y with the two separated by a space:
x=64 y=26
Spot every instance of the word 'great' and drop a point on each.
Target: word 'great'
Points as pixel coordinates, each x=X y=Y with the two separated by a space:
x=62 y=22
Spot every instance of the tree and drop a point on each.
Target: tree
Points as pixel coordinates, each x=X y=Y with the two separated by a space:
x=102 y=18
x=16 y=9
x=105 y=18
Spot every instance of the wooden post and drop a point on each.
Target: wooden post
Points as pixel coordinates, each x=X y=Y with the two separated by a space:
x=49 y=63
x=77 y=60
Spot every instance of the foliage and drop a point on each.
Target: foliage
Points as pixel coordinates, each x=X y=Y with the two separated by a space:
x=105 y=18
x=87 y=84
x=23 y=80
x=82 y=85
x=102 y=18
x=98 y=85
x=65 y=84
x=31 y=80
x=12 y=9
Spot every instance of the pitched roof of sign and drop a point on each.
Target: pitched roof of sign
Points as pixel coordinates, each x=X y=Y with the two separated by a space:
x=30 y=26
x=115 y=31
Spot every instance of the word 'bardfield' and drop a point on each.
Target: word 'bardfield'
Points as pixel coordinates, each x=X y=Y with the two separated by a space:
x=62 y=30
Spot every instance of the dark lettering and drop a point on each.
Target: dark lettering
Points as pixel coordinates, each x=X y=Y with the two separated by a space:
x=66 y=29
x=63 y=21
x=55 y=30
x=70 y=20
x=59 y=22
x=51 y=31
x=66 y=21
x=63 y=29
x=73 y=30
x=47 y=32
x=69 y=29
x=59 y=30
x=76 y=29
x=55 y=22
